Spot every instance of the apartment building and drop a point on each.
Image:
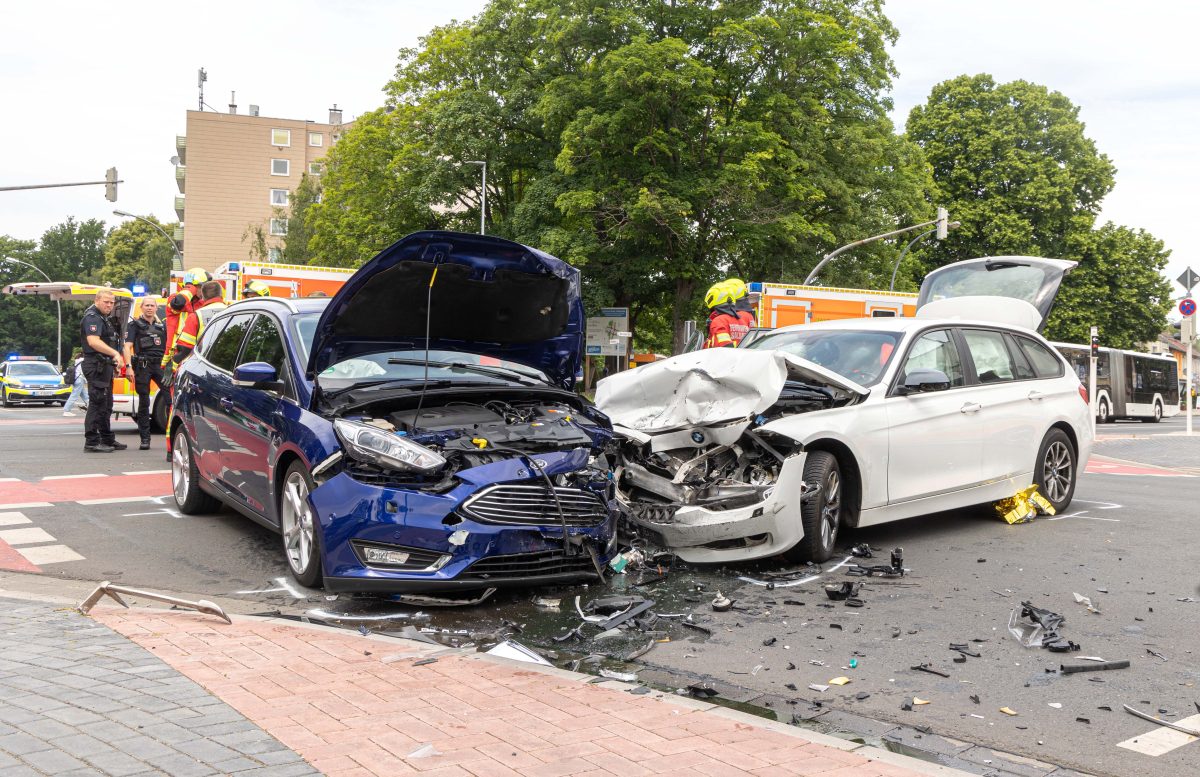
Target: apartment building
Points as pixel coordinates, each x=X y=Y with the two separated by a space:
x=236 y=172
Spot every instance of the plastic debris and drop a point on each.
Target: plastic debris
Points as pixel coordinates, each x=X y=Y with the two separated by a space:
x=839 y=681
x=625 y=677
x=1161 y=722
x=426 y=750
x=1023 y=506
x=861 y=551
x=1106 y=666
x=975 y=698
x=818 y=687
x=552 y=604
x=518 y=652
x=862 y=695
x=1086 y=602
x=721 y=603
x=769 y=641
x=964 y=649
x=917 y=701
x=1156 y=654
x=1054 y=704
x=842 y=591
x=1039 y=630
x=854 y=663
x=906 y=706
x=1008 y=711
x=895 y=569
x=425 y=661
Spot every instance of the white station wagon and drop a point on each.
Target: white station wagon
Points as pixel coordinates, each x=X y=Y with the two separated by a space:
x=736 y=454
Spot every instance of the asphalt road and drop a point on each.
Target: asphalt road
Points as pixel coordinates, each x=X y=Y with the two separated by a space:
x=1127 y=543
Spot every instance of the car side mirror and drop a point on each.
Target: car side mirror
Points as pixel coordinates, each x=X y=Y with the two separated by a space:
x=257 y=375
x=925 y=379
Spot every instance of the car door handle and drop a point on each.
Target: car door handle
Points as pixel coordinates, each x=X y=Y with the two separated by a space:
x=1036 y=395
x=226 y=403
x=971 y=407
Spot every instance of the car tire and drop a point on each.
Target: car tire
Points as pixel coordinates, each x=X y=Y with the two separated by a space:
x=158 y=413
x=821 y=516
x=185 y=478
x=299 y=527
x=4 y=399
x=1158 y=414
x=1102 y=416
x=1056 y=469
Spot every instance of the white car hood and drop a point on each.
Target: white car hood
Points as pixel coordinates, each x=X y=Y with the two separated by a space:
x=707 y=387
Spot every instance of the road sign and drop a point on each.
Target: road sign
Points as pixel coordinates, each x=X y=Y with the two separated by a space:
x=1187 y=306
x=604 y=332
x=1189 y=279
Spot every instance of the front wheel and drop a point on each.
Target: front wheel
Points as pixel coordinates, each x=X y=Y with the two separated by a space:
x=822 y=514
x=185 y=478
x=4 y=399
x=299 y=526
x=1056 y=469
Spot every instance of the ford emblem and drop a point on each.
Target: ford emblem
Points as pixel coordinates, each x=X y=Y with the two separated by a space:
x=698 y=437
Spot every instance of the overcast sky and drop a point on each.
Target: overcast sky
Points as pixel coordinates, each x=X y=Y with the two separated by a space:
x=91 y=85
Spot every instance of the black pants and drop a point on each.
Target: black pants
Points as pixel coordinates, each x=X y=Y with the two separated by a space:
x=96 y=426
x=145 y=371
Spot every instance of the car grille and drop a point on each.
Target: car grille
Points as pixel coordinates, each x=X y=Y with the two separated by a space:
x=542 y=564
x=527 y=504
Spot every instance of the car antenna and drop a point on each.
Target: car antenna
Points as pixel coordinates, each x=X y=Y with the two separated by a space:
x=428 y=314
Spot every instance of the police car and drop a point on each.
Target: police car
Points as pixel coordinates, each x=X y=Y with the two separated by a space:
x=31 y=379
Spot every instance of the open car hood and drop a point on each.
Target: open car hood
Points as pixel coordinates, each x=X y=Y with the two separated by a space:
x=707 y=387
x=490 y=296
x=981 y=289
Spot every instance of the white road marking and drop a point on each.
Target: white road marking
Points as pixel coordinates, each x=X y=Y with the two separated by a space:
x=11 y=519
x=22 y=505
x=1083 y=514
x=25 y=536
x=1102 y=505
x=1162 y=739
x=116 y=500
x=72 y=477
x=163 y=511
x=148 y=472
x=10 y=480
x=41 y=555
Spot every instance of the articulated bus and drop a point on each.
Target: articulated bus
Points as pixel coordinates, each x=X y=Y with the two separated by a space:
x=1129 y=384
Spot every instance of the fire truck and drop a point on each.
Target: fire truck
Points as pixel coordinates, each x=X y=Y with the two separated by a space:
x=781 y=304
x=284 y=280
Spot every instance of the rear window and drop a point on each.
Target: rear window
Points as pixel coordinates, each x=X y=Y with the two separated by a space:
x=1045 y=363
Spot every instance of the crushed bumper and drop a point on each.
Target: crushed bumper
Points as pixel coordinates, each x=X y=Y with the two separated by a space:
x=704 y=536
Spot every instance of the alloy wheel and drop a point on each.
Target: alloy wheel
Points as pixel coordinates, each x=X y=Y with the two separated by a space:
x=296 y=520
x=831 y=511
x=1057 y=471
x=181 y=467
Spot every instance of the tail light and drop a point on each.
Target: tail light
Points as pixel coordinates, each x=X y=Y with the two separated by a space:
x=1083 y=394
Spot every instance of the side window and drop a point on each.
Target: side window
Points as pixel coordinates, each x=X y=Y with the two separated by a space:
x=264 y=344
x=224 y=349
x=935 y=351
x=1043 y=361
x=993 y=362
x=209 y=335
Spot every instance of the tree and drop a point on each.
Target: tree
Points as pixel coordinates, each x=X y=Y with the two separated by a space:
x=72 y=251
x=27 y=324
x=136 y=252
x=296 y=244
x=1012 y=163
x=1118 y=287
x=658 y=146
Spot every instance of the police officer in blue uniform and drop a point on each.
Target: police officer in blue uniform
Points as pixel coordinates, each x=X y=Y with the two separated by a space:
x=101 y=355
x=145 y=343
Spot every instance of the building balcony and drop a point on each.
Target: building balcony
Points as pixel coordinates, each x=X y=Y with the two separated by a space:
x=179 y=208
x=178 y=234
x=181 y=148
x=181 y=178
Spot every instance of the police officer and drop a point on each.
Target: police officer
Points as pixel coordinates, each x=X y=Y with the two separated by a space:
x=101 y=354
x=145 y=344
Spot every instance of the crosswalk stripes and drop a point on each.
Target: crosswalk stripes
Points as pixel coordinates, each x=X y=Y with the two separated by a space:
x=27 y=548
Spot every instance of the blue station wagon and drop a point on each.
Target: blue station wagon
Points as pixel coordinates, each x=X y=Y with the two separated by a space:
x=417 y=432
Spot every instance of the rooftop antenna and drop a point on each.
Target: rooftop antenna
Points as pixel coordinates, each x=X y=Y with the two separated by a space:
x=233 y=102
x=201 y=77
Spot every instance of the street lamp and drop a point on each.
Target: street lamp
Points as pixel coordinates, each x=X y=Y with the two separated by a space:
x=913 y=242
x=483 y=198
x=941 y=225
x=57 y=303
x=171 y=240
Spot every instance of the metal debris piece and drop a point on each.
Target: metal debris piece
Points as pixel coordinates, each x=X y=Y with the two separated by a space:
x=575 y=633
x=818 y=687
x=625 y=677
x=1161 y=722
x=425 y=661
x=1107 y=665
x=929 y=669
x=629 y=614
x=1156 y=654
x=518 y=652
x=721 y=603
x=842 y=591
x=960 y=659
x=1082 y=720
x=1086 y=602
x=425 y=600
x=975 y=698
x=697 y=627
x=769 y=641
x=114 y=592
x=638 y=653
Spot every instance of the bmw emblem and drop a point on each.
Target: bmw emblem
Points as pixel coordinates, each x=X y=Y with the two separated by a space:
x=698 y=437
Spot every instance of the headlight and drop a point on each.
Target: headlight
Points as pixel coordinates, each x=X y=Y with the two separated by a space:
x=16 y=384
x=386 y=449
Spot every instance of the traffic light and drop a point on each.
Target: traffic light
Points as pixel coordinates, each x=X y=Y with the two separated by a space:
x=110 y=185
x=943 y=223
x=1095 y=343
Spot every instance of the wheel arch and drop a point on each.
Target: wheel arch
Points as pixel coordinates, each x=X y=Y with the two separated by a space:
x=851 y=476
x=1070 y=432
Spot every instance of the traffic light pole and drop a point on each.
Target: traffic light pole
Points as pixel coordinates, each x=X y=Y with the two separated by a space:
x=110 y=182
x=1093 y=401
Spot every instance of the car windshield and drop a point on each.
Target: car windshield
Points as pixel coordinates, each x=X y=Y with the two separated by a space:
x=862 y=356
x=32 y=370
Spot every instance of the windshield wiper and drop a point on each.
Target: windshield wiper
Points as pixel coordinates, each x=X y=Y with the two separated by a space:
x=498 y=372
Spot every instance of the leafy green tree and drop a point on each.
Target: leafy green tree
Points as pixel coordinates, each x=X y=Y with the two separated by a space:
x=136 y=252
x=27 y=324
x=658 y=146
x=1012 y=163
x=72 y=251
x=296 y=244
x=1118 y=287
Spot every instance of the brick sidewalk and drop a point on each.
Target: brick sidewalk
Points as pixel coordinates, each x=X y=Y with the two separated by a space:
x=354 y=705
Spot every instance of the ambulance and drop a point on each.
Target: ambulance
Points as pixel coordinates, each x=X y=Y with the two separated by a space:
x=782 y=304
x=284 y=280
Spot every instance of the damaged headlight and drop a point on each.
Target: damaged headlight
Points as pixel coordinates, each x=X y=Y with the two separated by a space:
x=385 y=449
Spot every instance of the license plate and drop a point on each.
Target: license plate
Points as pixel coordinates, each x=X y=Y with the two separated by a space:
x=43 y=393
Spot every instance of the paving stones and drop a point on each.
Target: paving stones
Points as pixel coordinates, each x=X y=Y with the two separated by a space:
x=77 y=698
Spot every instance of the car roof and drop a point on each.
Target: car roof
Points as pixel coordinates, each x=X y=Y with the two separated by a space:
x=279 y=305
x=897 y=324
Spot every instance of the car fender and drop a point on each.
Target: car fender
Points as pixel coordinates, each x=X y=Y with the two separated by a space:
x=862 y=428
x=303 y=435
